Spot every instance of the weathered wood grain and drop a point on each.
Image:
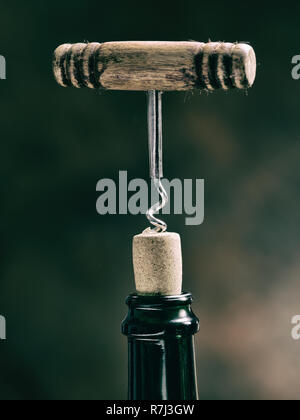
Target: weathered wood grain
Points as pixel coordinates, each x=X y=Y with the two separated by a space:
x=155 y=65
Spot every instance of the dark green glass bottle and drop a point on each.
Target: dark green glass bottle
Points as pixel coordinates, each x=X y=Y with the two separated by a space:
x=160 y=331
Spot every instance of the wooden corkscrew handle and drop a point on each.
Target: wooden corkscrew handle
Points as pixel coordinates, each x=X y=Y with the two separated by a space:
x=155 y=65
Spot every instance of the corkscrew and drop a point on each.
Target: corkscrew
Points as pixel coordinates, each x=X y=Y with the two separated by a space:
x=155 y=66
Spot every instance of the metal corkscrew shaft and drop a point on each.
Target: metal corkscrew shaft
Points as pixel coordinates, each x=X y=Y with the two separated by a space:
x=156 y=157
x=155 y=134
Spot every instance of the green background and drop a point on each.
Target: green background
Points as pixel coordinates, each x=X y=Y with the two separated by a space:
x=66 y=271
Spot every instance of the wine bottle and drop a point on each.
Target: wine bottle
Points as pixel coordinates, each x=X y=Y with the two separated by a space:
x=161 y=362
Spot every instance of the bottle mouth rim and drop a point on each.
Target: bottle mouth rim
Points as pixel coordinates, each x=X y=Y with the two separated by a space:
x=159 y=300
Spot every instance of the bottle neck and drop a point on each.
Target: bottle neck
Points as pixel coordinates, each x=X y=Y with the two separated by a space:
x=160 y=333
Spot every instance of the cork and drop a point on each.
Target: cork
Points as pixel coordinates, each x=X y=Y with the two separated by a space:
x=157 y=260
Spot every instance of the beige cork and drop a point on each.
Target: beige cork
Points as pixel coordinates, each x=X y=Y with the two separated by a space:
x=157 y=261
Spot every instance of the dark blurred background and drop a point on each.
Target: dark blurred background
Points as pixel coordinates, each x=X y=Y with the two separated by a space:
x=66 y=271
